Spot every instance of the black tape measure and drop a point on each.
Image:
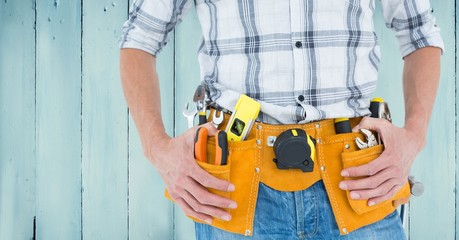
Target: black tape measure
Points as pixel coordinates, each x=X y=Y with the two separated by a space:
x=295 y=149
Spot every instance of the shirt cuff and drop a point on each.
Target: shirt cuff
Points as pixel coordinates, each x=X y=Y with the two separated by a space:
x=434 y=40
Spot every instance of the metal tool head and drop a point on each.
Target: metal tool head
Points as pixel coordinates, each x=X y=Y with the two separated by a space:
x=217 y=120
x=189 y=113
x=200 y=93
x=384 y=112
x=370 y=139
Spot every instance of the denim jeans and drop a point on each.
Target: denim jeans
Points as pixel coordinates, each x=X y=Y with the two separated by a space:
x=304 y=214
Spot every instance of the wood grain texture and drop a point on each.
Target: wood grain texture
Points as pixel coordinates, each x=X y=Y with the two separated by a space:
x=58 y=120
x=436 y=164
x=71 y=155
x=17 y=119
x=104 y=125
x=187 y=38
x=151 y=215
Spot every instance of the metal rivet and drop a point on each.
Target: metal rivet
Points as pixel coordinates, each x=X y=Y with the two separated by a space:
x=258 y=141
x=271 y=140
x=345 y=230
x=247 y=232
x=257 y=170
x=319 y=140
x=318 y=125
x=347 y=146
x=322 y=168
x=259 y=127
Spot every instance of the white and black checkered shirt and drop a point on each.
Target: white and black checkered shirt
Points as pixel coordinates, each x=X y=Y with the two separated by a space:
x=304 y=60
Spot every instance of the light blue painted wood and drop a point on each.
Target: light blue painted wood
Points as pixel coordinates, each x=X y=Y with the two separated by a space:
x=65 y=139
x=456 y=122
x=104 y=125
x=17 y=120
x=435 y=166
x=151 y=215
x=187 y=38
x=58 y=119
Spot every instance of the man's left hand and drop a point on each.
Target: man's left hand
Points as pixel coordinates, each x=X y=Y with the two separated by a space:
x=383 y=177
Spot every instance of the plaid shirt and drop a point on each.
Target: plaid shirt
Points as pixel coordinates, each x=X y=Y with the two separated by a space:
x=304 y=60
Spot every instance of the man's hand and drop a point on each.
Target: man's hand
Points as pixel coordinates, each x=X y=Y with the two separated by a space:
x=172 y=157
x=186 y=181
x=383 y=177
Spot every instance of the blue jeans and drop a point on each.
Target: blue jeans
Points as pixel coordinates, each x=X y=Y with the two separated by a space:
x=304 y=214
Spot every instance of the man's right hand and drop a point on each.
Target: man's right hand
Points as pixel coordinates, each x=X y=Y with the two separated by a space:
x=186 y=182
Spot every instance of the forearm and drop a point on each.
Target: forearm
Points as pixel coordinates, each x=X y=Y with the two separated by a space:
x=421 y=75
x=141 y=90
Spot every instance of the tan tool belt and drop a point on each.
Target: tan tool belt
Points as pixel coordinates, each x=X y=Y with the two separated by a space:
x=251 y=161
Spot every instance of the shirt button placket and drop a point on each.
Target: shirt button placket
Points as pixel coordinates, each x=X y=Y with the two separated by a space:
x=299 y=61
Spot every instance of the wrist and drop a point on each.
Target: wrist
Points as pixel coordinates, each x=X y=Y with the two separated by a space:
x=153 y=141
x=417 y=133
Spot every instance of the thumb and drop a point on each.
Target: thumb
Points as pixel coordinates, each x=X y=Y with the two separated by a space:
x=367 y=123
x=210 y=128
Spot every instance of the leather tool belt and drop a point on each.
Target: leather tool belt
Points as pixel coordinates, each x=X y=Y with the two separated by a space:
x=251 y=162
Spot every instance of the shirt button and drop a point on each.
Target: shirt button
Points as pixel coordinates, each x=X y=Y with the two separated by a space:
x=301 y=98
x=298 y=44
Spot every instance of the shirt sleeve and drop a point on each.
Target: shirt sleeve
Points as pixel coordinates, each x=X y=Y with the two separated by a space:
x=413 y=24
x=150 y=22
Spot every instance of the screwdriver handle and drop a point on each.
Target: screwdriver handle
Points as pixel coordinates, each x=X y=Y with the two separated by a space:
x=221 y=145
x=200 y=144
x=202 y=117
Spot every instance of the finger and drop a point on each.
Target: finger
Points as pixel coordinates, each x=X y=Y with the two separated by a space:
x=380 y=199
x=366 y=170
x=209 y=181
x=368 y=182
x=368 y=123
x=205 y=209
x=379 y=191
x=190 y=212
x=205 y=197
x=211 y=128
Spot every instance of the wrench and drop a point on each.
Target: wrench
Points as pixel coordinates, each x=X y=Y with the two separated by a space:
x=189 y=113
x=216 y=121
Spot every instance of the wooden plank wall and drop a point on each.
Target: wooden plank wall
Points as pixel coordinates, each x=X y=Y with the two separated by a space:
x=17 y=120
x=71 y=163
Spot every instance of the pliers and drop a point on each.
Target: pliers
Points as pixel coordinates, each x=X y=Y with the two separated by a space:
x=221 y=146
x=371 y=140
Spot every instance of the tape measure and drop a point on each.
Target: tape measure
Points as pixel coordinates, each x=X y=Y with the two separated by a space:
x=295 y=149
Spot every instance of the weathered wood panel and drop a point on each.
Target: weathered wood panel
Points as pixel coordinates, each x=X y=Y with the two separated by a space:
x=105 y=124
x=17 y=119
x=64 y=126
x=188 y=34
x=436 y=165
x=58 y=120
x=151 y=215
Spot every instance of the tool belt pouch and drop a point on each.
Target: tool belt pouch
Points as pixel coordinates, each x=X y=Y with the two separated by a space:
x=338 y=152
x=241 y=170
